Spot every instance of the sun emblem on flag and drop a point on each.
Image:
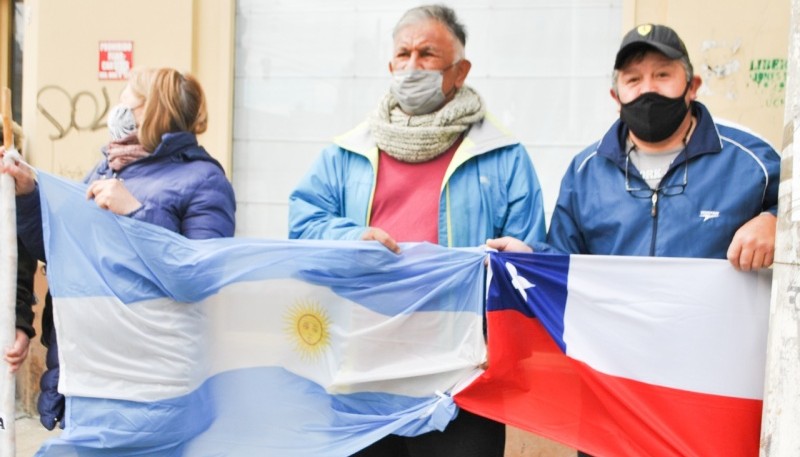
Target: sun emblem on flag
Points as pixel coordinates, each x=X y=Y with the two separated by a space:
x=308 y=325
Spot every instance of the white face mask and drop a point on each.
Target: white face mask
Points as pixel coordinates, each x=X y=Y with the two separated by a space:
x=121 y=122
x=418 y=91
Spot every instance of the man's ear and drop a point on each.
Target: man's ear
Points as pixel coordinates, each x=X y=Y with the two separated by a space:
x=463 y=68
x=694 y=86
x=615 y=96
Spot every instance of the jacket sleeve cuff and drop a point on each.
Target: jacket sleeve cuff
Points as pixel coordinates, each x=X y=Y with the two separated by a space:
x=140 y=209
x=26 y=327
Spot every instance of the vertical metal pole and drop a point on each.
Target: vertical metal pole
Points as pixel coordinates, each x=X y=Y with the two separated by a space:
x=8 y=289
x=780 y=428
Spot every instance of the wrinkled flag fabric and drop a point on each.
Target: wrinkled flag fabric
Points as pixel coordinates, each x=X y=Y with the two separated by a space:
x=626 y=356
x=242 y=347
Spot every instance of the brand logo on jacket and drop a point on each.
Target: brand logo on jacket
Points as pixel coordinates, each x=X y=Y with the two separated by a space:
x=706 y=215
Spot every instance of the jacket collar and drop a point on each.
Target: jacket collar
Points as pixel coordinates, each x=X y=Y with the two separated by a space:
x=179 y=146
x=704 y=140
x=183 y=143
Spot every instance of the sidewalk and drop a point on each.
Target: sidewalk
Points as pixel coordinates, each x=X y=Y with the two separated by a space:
x=31 y=435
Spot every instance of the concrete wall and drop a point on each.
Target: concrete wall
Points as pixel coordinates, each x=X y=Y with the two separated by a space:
x=308 y=71
x=64 y=101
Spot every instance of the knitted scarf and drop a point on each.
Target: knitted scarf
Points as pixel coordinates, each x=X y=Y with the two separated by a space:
x=121 y=153
x=421 y=138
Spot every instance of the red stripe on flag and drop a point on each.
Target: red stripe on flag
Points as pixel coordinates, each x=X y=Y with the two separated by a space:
x=532 y=385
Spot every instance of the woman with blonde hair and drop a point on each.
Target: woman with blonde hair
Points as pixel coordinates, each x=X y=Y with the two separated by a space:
x=153 y=132
x=153 y=170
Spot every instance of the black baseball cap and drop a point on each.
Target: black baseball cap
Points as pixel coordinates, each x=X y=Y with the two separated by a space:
x=660 y=37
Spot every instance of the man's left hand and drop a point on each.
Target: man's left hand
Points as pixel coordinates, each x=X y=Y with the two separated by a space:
x=508 y=244
x=753 y=245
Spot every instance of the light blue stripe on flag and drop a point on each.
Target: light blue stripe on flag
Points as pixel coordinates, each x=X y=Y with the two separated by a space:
x=171 y=346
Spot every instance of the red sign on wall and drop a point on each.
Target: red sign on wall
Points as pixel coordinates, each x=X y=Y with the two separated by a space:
x=116 y=60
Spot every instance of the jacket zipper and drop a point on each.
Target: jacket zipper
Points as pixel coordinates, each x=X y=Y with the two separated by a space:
x=654 y=208
x=654 y=198
x=654 y=216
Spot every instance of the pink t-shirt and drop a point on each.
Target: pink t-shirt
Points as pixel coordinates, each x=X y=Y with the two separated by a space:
x=406 y=201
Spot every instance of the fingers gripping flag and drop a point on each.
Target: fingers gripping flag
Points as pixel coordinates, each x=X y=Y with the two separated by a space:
x=244 y=347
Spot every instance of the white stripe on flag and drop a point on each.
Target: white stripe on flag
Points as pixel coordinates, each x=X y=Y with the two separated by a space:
x=160 y=349
x=692 y=324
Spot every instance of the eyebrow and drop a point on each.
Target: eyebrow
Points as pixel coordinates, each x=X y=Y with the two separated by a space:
x=656 y=66
x=431 y=49
x=427 y=48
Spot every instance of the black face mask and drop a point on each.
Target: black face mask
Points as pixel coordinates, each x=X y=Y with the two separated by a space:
x=653 y=117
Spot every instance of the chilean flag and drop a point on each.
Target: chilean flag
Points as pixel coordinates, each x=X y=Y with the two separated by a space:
x=626 y=356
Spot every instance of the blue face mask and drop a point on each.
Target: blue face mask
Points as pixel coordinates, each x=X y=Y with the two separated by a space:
x=121 y=122
x=419 y=91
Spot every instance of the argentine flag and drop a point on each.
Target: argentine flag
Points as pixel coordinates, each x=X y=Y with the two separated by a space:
x=243 y=347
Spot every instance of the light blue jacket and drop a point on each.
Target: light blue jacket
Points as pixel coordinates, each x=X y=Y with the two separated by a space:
x=489 y=190
x=732 y=176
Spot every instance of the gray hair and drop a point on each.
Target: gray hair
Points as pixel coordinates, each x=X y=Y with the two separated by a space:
x=639 y=55
x=441 y=13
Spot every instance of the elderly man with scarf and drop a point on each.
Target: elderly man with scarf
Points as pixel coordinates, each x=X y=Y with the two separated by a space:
x=428 y=165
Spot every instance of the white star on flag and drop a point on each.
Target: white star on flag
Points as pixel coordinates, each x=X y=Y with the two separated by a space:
x=519 y=282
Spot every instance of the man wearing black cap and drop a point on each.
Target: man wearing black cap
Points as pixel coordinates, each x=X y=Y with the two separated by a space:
x=667 y=179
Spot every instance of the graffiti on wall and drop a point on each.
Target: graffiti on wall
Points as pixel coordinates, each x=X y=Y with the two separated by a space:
x=769 y=77
x=65 y=112
x=719 y=64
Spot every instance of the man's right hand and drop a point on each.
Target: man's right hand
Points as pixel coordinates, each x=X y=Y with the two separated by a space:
x=508 y=244
x=374 y=233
